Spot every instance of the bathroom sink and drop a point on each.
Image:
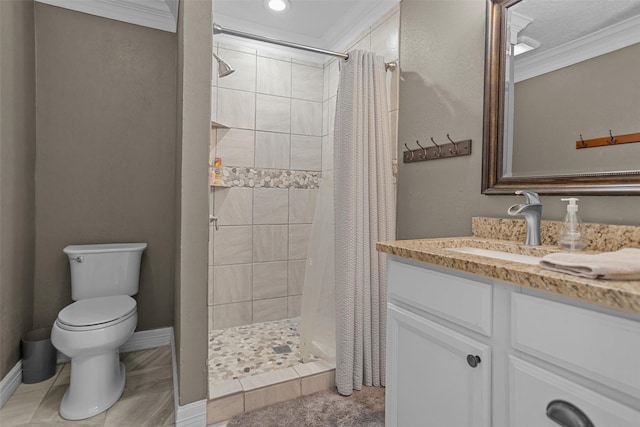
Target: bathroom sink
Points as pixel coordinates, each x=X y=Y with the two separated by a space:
x=506 y=256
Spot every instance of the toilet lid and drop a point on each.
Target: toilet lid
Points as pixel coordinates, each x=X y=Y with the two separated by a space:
x=94 y=311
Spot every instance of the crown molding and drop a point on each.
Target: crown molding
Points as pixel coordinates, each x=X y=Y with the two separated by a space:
x=356 y=23
x=517 y=22
x=158 y=14
x=618 y=36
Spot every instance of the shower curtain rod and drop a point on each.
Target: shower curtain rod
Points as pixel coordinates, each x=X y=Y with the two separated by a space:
x=217 y=29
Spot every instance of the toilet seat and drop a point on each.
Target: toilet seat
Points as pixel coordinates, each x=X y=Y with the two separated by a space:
x=96 y=313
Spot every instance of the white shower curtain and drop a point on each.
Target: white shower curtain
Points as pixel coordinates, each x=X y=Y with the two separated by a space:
x=344 y=296
x=365 y=214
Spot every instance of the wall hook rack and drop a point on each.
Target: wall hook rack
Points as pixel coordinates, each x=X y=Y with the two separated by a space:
x=438 y=151
x=608 y=140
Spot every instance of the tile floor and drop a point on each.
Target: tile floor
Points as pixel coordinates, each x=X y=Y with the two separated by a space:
x=147 y=399
x=242 y=365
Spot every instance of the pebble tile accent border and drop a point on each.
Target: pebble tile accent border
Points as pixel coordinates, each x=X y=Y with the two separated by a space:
x=249 y=349
x=270 y=178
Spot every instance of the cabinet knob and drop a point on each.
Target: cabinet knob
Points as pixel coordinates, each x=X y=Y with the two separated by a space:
x=567 y=415
x=473 y=360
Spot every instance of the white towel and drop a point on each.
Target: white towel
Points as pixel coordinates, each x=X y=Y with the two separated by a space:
x=619 y=265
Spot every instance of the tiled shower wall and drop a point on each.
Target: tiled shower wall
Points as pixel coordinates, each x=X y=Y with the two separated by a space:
x=272 y=159
x=280 y=114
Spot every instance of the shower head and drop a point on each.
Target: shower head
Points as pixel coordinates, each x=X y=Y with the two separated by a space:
x=224 y=69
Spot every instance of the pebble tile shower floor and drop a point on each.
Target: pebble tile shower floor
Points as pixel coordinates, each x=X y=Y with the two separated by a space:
x=254 y=349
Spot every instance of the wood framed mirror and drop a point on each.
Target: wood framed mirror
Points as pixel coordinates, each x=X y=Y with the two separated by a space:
x=619 y=178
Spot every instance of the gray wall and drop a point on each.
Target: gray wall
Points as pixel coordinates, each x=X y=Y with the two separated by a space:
x=105 y=152
x=17 y=184
x=441 y=91
x=588 y=98
x=195 y=44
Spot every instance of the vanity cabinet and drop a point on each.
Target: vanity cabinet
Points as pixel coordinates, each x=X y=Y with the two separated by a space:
x=465 y=350
x=422 y=353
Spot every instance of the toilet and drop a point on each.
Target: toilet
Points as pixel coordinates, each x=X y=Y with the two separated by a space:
x=91 y=330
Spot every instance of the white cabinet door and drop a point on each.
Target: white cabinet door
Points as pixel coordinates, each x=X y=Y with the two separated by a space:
x=430 y=381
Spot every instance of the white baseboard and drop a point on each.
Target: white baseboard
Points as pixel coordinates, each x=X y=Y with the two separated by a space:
x=190 y=415
x=141 y=340
x=10 y=383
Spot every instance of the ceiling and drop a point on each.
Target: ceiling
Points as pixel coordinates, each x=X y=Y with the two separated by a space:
x=326 y=24
x=556 y=22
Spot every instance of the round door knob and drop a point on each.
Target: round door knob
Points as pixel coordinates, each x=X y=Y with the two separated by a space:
x=473 y=360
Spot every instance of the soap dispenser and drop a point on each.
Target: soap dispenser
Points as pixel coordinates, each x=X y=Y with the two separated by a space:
x=570 y=235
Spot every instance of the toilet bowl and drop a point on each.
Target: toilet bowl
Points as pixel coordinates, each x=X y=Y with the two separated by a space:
x=90 y=332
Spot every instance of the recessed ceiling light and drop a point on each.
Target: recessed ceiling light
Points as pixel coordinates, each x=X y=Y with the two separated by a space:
x=277 y=5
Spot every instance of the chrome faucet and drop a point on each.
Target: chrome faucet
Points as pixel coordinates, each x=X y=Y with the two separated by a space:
x=532 y=211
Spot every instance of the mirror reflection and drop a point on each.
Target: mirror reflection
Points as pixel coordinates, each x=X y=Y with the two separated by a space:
x=571 y=75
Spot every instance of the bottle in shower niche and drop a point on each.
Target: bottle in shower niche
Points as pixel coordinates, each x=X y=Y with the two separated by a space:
x=570 y=235
x=217 y=170
x=212 y=176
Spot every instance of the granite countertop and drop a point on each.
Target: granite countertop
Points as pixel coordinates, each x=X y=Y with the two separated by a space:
x=618 y=295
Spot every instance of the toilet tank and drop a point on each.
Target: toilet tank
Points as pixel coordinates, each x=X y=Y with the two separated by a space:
x=104 y=270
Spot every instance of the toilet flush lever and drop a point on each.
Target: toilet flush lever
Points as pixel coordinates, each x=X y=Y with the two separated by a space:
x=78 y=259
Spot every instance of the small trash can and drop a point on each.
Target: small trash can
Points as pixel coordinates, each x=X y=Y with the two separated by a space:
x=38 y=356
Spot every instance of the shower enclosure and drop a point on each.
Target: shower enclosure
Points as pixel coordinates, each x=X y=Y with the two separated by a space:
x=272 y=127
x=272 y=153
